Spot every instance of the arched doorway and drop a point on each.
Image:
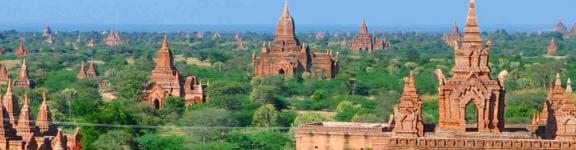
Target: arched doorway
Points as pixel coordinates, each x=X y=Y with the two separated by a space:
x=156 y=104
x=281 y=72
x=471 y=116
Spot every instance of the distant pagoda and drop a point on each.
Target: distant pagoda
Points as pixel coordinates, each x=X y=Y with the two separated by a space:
x=365 y=41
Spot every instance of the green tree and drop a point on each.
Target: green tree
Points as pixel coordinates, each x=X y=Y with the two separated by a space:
x=154 y=142
x=115 y=140
x=265 y=116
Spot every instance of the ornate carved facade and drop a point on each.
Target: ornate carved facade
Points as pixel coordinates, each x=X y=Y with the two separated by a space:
x=408 y=121
x=18 y=130
x=365 y=41
x=166 y=81
x=285 y=56
x=470 y=84
x=559 y=112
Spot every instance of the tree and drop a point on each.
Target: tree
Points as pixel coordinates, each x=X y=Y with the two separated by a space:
x=115 y=140
x=153 y=142
x=265 y=116
x=208 y=123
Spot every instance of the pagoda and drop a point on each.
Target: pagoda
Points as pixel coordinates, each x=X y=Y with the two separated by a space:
x=454 y=37
x=552 y=48
x=113 y=39
x=4 y=77
x=286 y=57
x=471 y=73
x=166 y=81
x=21 y=51
x=365 y=41
x=23 y=80
x=22 y=132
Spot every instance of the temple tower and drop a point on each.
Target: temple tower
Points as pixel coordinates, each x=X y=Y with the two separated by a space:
x=552 y=48
x=408 y=121
x=287 y=57
x=25 y=127
x=10 y=102
x=21 y=51
x=23 y=79
x=44 y=119
x=471 y=84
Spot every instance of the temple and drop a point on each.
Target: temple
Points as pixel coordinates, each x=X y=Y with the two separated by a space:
x=91 y=43
x=50 y=40
x=21 y=51
x=286 y=57
x=19 y=131
x=23 y=80
x=558 y=116
x=47 y=31
x=454 y=37
x=470 y=86
x=166 y=82
x=4 y=77
x=90 y=74
x=560 y=27
x=552 y=48
x=365 y=41
x=113 y=39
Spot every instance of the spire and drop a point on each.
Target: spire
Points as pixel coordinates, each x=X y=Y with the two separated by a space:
x=552 y=47
x=455 y=29
x=569 y=87
x=23 y=78
x=21 y=51
x=286 y=9
x=82 y=72
x=44 y=121
x=3 y=74
x=364 y=27
x=91 y=73
x=472 y=31
x=10 y=102
x=558 y=80
x=285 y=31
x=5 y=125
x=165 y=44
x=25 y=127
x=164 y=58
x=58 y=141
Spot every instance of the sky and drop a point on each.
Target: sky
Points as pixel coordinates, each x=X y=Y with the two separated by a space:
x=266 y=12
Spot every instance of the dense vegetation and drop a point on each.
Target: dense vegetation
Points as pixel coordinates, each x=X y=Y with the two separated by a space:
x=244 y=112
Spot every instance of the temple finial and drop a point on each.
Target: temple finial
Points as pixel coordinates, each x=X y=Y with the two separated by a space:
x=286 y=9
x=165 y=41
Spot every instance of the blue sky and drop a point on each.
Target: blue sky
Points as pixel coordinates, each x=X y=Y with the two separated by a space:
x=266 y=12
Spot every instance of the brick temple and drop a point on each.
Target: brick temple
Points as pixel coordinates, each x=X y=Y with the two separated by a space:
x=470 y=85
x=365 y=41
x=19 y=131
x=454 y=37
x=167 y=81
x=287 y=57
